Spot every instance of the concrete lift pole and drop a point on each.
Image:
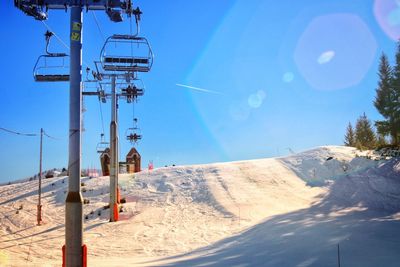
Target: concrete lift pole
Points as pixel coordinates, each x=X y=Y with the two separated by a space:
x=74 y=249
x=114 y=168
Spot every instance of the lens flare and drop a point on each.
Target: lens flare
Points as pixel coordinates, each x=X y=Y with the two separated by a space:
x=326 y=57
x=387 y=14
x=239 y=110
x=256 y=100
x=335 y=51
x=288 y=77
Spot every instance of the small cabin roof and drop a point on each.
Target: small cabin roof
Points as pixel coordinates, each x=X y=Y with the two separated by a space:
x=132 y=152
x=105 y=153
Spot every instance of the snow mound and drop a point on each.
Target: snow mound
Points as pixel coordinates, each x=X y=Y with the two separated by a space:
x=175 y=210
x=375 y=188
x=321 y=166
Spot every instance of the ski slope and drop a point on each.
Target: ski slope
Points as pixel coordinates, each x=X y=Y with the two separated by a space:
x=288 y=211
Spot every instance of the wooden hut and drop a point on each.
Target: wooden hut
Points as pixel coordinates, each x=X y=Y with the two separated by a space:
x=105 y=159
x=133 y=161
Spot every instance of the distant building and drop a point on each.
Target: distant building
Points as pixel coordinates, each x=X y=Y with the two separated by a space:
x=133 y=161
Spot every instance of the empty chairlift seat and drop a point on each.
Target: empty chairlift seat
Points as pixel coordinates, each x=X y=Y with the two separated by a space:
x=126 y=53
x=51 y=78
x=102 y=146
x=52 y=68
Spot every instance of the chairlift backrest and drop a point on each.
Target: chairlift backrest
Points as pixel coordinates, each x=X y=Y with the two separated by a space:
x=51 y=67
x=134 y=137
x=126 y=53
x=133 y=134
x=102 y=147
x=131 y=92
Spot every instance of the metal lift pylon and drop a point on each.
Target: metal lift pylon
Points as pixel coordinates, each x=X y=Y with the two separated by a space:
x=114 y=164
x=74 y=252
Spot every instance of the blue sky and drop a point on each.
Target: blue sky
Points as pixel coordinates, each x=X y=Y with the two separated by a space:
x=283 y=74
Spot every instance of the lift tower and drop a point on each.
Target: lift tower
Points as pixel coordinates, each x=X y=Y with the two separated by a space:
x=75 y=251
x=113 y=79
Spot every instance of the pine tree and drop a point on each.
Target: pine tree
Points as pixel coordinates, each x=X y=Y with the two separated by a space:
x=349 y=138
x=381 y=141
x=395 y=98
x=383 y=100
x=364 y=134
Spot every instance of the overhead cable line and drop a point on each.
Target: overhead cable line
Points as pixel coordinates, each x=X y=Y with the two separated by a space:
x=101 y=116
x=54 y=33
x=130 y=31
x=98 y=25
x=51 y=137
x=17 y=133
x=104 y=39
x=26 y=134
x=60 y=40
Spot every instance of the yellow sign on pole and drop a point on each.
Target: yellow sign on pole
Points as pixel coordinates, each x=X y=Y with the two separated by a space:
x=76 y=26
x=75 y=36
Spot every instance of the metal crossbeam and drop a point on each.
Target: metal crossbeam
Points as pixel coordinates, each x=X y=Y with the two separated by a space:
x=64 y=4
x=38 y=8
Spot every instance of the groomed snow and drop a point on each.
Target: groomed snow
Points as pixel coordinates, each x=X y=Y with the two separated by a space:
x=289 y=211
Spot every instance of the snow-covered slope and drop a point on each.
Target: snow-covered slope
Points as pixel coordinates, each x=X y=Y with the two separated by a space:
x=289 y=211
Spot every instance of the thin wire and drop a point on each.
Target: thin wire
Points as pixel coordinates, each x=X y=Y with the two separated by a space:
x=133 y=115
x=27 y=134
x=104 y=39
x=130 y=31
x=17 y=133
x=51 y=137
x=60 y=40
x=101 y=116
x=98 y=25
x=133 y=104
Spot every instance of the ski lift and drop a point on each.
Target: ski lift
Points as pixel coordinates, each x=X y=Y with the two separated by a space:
x=36 y=11
x=102 y=146
x=133 y=137
x=115 y=54
x=133 y=134
x=131 y=92
x=51 y=67
x=102 y=96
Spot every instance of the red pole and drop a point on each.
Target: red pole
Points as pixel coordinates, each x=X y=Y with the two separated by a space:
x=39 y=206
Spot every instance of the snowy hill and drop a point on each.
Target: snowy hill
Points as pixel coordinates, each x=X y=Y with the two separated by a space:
x=288 y=211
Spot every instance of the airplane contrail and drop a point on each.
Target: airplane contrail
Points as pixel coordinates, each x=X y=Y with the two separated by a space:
x=199 y=89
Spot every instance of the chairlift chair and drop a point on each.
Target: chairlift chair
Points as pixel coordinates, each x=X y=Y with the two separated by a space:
x=133 y=134
x=126 y=53
x=102 y=96
x=131 y=92
x=51 y=67
x=133 y=137
x=102 y=146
